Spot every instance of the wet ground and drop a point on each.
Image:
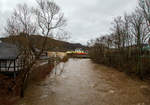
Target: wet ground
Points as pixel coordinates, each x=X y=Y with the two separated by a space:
x=85 y=83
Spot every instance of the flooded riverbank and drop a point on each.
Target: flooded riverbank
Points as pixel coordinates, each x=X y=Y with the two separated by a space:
x=81 y=82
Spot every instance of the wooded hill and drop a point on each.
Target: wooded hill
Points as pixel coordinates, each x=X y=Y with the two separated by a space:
x=52 y=44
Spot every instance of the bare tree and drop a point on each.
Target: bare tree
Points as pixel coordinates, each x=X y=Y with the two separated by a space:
x=139 y=27
x=21 y=21
x=26 y=22
x=62 y=35
x=49 y=17
x=145 y=7
x=118 y=32
x=19 y=27
x=127 y=31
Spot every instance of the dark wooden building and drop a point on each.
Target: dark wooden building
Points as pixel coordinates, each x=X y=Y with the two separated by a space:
x=10 y=61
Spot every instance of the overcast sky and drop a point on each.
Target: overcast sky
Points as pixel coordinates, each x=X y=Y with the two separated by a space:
x=86 y=19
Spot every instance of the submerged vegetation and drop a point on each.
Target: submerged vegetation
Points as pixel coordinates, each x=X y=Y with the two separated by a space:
x=127 y=47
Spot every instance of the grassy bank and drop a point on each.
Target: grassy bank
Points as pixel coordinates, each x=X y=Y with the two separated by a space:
x=10 y=87
x=130 y=63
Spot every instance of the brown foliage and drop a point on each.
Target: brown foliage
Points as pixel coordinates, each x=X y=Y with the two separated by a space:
x=40 y=73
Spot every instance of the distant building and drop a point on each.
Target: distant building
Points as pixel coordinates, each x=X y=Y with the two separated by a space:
x=80 y=50
x=146 y=47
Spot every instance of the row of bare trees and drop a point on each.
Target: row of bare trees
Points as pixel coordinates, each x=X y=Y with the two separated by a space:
x=124 y=47
x=43 y=19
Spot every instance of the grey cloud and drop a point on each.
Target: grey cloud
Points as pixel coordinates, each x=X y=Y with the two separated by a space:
x=86 y=18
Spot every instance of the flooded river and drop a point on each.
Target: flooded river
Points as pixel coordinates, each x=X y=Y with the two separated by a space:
x=85 y=83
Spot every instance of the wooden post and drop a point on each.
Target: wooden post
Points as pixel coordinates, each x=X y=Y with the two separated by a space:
x=0 y=65
x=22 y=91
x=14 y=68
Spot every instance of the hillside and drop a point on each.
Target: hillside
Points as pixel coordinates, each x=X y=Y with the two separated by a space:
x=52 y=44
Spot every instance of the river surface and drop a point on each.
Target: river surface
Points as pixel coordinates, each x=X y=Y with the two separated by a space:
x=81 y=82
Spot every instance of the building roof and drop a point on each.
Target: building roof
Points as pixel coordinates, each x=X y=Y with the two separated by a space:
x=8 y=51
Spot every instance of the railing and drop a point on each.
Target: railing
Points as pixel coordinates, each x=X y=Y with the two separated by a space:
x=11 y=69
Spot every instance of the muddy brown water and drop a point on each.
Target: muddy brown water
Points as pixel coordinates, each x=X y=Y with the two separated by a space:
x=85 y=83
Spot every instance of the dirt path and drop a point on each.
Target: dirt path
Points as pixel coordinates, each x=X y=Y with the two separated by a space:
x=85 y=83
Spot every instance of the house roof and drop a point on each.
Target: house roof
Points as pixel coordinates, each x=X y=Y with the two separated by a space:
x=8 y=51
